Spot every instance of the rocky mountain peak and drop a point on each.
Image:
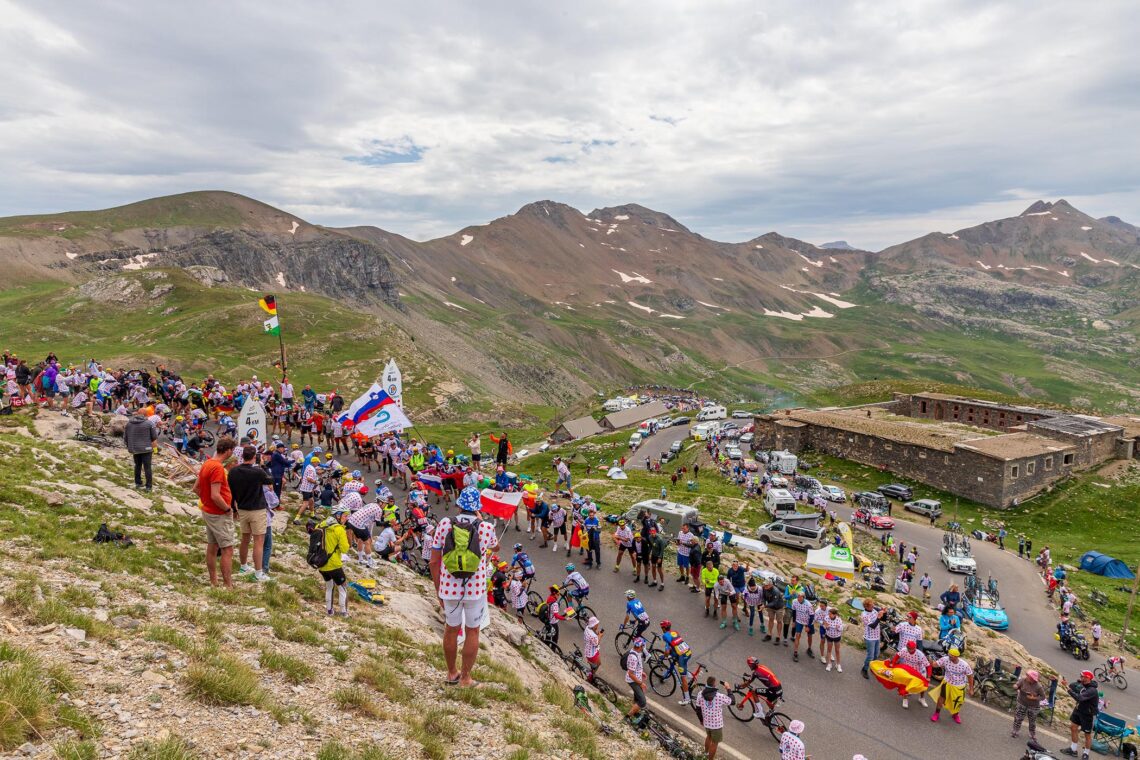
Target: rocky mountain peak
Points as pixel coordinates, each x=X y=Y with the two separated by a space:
x=634 y=212
x=1038 y=207
x=839 y=245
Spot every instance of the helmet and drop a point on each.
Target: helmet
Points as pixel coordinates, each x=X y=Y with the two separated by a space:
x=666 y=625
x=450 y=452
x=570 y=568
x=356 y=474
x=518 y=547
x=328 y=456
x=638 y=643
x=630 y=594
x=296 y=445
x=752 y=663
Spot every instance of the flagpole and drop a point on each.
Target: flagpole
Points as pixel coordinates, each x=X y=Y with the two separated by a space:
x=281 y=341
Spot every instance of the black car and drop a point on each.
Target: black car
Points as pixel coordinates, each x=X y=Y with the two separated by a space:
x=896 y=491
x=870 y=500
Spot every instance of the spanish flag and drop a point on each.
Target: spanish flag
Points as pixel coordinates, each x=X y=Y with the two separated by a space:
x=269 y=303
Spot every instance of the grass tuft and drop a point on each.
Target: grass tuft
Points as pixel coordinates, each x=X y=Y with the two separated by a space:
x=223 y=680
x=174 y=748
x=385 y=679
x=356 y=699
x=434 y=729
x=294 y=669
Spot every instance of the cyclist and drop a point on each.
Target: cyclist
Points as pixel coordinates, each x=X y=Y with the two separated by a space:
x=591 y=646
x=636 y=610
x=772 y=690
x=522 y=561
x=581 y=588
x=679 y=652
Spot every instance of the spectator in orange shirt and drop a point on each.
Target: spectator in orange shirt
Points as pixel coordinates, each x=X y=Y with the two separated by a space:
x=216 y=503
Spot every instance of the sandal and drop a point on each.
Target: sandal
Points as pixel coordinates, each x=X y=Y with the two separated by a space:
x=452 y=681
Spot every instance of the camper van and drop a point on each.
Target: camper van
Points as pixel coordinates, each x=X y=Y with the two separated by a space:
x=779 y=502
x=784 y=461
x=704 y=431
x=712 y=413
x=670 y=516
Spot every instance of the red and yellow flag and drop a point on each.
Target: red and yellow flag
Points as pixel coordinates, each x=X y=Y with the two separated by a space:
x=269 y=303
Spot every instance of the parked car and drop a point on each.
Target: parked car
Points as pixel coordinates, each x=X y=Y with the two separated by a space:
x=808 y=482
x=896 y=491
x=676 y=446
x=833 y=493
x=667 y=456
x=985 y=610
x=870 y=500
x=681 y=421
x=873 y=518
x=734 y=452
x=747 y=439
x=635 y=440
x=741 y=414
x=798 y=535
x=665 y=422
x=928 y=507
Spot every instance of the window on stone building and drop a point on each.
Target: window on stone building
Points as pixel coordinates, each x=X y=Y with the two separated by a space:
x=888 y=446
x=1048 y=463
x=922 y=455
x=1013 y=470
x=1030 y=468
x=1068 y=459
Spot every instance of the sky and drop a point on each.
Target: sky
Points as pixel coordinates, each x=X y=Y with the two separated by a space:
x=873 y=122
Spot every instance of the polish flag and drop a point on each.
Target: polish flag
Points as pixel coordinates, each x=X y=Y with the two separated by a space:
x=501 y=504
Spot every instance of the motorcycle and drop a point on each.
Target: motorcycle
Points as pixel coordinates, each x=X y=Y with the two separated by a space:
x=1034 y=751
x=1076 y=645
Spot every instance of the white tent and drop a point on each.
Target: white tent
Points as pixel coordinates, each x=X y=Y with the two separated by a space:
x=831 y=559
x=617 y=473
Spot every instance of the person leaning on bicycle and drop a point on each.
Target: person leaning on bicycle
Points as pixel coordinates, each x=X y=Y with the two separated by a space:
x=636 y=610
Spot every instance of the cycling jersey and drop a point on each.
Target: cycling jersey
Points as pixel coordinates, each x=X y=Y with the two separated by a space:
x=522 y=560
x=766 y=678
x=677 y=646
x=634 y=608
x=576 y=578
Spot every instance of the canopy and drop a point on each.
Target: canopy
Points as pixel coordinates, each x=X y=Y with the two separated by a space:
x=617 y=473
x=831 y=559
x=1102 y=564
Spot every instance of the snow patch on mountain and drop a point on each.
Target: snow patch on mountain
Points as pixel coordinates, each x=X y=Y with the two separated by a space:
x=636 y=305
x=465 y=239
x=635 y=277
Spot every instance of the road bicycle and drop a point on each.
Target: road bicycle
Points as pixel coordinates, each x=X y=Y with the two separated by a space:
x=580 y=667
x=664 y=678
x=546 y=636
x=747 y=703
x=658 y=731
x=581 y=611
x=1111 y=672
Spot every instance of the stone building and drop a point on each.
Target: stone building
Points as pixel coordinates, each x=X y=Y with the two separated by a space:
x=909 y=437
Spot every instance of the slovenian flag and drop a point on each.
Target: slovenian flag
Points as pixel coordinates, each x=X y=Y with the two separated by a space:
x=367 y=405
x=431 y=482
x=501 y=504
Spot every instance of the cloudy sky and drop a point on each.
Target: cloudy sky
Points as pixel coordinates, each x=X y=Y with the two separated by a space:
x=871 y=121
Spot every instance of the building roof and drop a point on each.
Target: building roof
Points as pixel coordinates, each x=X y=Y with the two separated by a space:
x=581 y=427
x=881 y=424
x=1076 y=424
x=1014 y=446
x=1130 y=425
x=990 y=404
x=627 y=417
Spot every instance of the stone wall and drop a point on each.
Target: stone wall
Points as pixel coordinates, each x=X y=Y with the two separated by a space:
x=1091 y=449
x=990 y=416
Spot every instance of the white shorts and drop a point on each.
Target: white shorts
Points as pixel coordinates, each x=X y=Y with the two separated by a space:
x=467 y=613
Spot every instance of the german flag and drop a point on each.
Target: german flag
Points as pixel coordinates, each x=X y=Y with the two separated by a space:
x=269 y=303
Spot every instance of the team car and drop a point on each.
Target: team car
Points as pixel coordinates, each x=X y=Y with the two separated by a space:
x=873 y=518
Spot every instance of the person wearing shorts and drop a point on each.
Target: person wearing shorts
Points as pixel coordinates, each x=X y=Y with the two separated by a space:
x=591 y=646
x=247 y=484
x=1083 y=717
x=685 y=542
x=725 y=595
x=709 y=576
x=215 y=501
x=635 y=677
x=710 y=706
x=332 y=572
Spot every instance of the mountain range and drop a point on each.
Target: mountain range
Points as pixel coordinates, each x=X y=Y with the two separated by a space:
x=551 y=304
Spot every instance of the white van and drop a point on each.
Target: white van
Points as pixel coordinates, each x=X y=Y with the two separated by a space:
x=670 y=516
x=779 y=502
x=647 y=426
x=704 y=431
x=712 y=413
x=785 y=461
x=635 y=440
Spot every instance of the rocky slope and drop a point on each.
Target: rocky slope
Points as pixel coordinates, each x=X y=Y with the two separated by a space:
x=134 y=656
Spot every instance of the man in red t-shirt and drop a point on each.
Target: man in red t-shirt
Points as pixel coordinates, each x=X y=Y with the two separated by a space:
x=216 y=503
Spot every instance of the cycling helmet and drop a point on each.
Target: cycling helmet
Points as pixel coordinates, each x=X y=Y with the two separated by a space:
x=570 y=568
x=356 y=474
x=638 y=643
x=379 y=481
x=630 y=594
x=518 y=547
x=752 y=663
x=666 y=625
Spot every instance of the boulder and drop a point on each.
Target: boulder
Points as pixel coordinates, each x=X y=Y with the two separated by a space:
x=118 y=425
x=56 y=427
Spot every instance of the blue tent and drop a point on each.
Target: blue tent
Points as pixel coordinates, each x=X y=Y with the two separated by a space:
x=1102 y=564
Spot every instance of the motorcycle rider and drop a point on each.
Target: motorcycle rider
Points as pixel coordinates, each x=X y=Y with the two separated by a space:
x=1066 y=629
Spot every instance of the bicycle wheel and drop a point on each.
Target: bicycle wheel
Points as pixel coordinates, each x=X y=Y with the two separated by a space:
x=207 y=438
x=1119 y=682
x=661 y=679
x=622 y=643
x=744 y=710
x=777 y=723
x=606 y=690
x=583 y=615
x=1101 y=674
x=533 y=599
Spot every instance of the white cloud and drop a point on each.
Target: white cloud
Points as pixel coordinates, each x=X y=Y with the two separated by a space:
x=871 y=123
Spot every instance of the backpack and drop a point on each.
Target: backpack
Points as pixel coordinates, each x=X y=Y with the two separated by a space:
x=318 y=555
x=542 y=612
x=461 y=550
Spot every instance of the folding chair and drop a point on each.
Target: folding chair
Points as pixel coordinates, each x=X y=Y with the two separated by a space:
x=1049 y=708
x=1111 y=731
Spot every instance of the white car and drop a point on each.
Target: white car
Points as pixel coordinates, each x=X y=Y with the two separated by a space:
x=733 y=452
x=747 y=438
x=833 y=493
x=957 y=559
x=740 y=414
